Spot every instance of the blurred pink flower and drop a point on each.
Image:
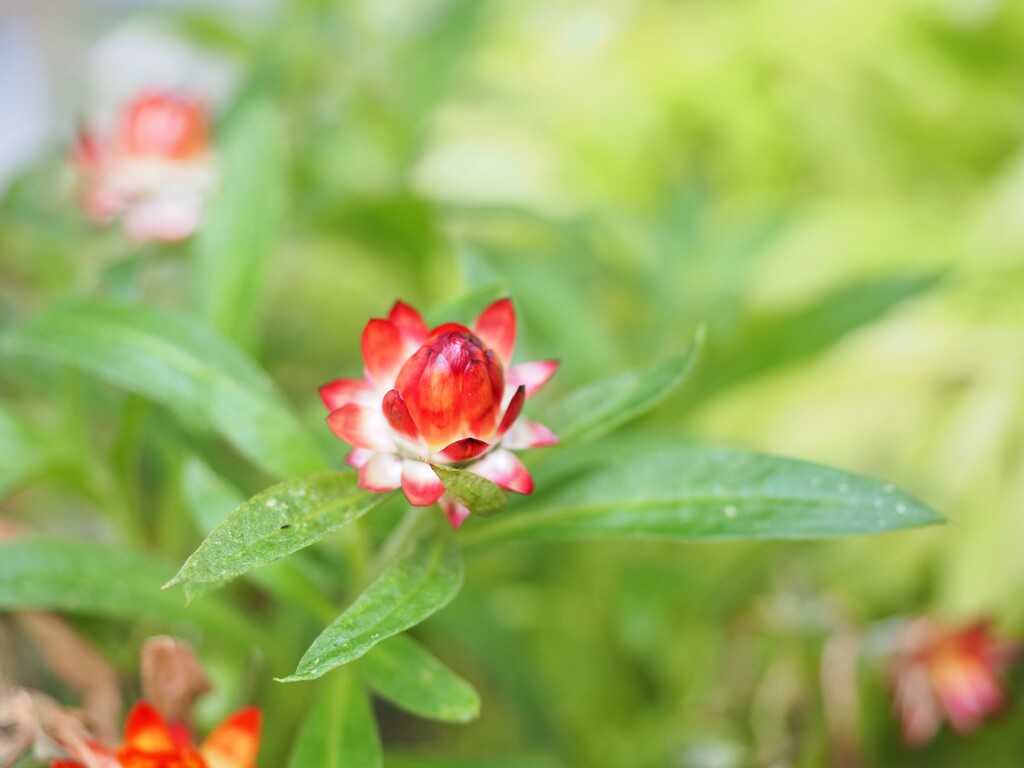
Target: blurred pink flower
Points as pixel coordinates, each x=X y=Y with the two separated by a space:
x=955 y=674
x=155 y=169
x=447 y=396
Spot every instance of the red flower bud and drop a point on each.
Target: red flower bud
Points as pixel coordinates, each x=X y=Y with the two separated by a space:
x=452 y=387
x=448 y=396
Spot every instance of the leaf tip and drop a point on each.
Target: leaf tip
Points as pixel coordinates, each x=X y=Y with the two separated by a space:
x=297 y=677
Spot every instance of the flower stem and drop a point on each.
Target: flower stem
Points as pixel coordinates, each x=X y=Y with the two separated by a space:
x=404 y=533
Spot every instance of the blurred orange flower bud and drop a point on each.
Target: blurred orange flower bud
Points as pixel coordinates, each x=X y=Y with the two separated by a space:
x=150 y=743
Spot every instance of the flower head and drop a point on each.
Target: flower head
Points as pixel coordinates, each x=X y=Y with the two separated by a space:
x=155 y=168
x=948 y=673
x=151 y=743
x=445 y=396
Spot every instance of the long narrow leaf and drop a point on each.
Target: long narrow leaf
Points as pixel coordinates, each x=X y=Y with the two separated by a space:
x=406 y=674
x=171 y=359
x=603 y=406
x=407 y=592
x=94 y=580
x=275 y=523
x=707 y=493
x=234 y=247
x=339 y=731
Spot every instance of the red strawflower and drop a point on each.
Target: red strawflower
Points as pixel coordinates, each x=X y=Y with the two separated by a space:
x=947 y=673
x=446 y=396
x=155 y=168
x=150 y=743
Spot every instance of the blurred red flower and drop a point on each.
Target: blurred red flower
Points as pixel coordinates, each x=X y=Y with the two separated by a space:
x=448 y=396
x=948 y=673
x=155 y=168
x=150 y=743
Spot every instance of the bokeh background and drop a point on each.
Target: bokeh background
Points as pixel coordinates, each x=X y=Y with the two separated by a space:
x=835 y=190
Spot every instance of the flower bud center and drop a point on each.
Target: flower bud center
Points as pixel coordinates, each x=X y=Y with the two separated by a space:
x=453 y=387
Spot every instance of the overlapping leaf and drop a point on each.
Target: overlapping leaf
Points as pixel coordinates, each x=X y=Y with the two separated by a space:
x=233 y=249
x=169 y=358
x=601 y=407
x=409 y=590
x=280 y=520
x=339 y=731
x=406 y=674
x=95 y=580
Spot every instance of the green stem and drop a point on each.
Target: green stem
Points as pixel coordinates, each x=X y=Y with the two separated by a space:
x=404 y=533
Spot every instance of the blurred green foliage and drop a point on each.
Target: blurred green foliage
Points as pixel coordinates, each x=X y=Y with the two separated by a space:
x=835 y=191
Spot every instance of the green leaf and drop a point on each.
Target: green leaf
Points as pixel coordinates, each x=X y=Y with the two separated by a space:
x=406 y=674
x=434 y=761
x=407 y=592
x=768 y=341
x=24 y=456
x=211 y=499
x=705 y=493
x=90 y=579
x=478 y=494
x=605 y=405
x=171 y=359
x=234 y=247
x=280 y=520
x=339 y=731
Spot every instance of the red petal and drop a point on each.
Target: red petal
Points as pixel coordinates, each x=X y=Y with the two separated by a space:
x=531 y=375
x=455 y=512
x=398 y=416
x=384 y=351
x=235 y=742
x=503 y=468
x=145 y=729
x=383 y=472
x=515 y=407
x=528 y=434
x=445 y=328
x=463 y=450
x=361 y=427
x=421 y=486
x=344 y=391
x=409 y=322
x=496 y=327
